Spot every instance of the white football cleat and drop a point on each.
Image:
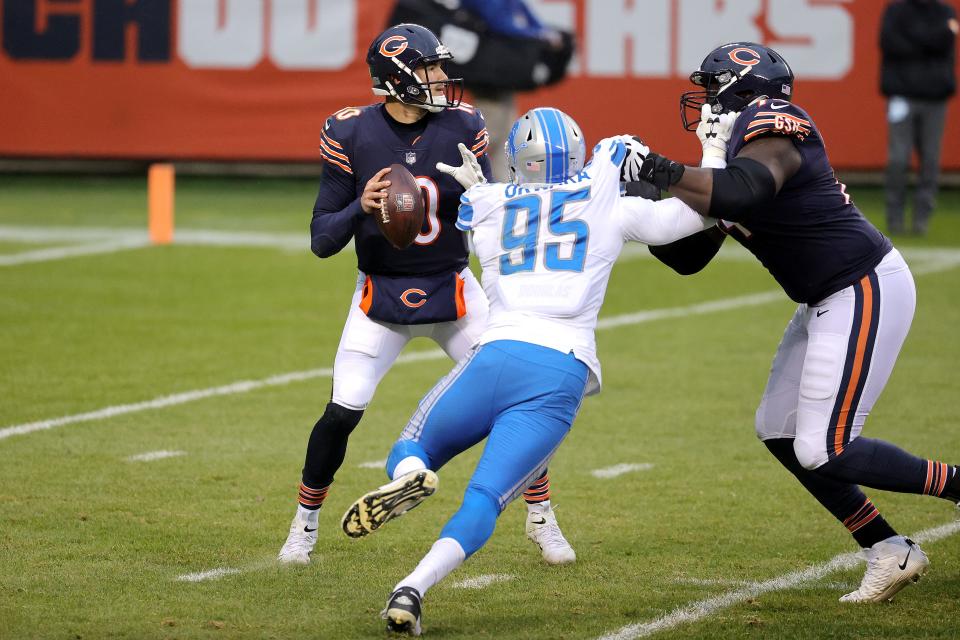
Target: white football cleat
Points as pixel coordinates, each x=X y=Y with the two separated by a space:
x=372 y=510
x=892 y=564
x=543 y=529
x=300 y=542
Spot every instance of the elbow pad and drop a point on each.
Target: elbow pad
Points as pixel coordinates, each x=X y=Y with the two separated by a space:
x=742 y=188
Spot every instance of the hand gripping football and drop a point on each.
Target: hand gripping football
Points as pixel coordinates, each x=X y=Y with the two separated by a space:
x=401 y=213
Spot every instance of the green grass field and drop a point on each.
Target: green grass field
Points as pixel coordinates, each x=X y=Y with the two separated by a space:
x=93 y=545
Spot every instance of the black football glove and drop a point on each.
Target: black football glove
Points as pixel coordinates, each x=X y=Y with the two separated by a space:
x=661 y=172
x=641 y=189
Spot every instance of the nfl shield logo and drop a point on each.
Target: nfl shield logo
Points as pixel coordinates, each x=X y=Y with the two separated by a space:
x=411 y=157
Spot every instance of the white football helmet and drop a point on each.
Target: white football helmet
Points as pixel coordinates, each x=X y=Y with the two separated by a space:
x=545 y=146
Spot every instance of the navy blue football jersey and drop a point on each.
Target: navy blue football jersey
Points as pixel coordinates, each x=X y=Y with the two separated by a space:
x=812 y=238
x=355 y=143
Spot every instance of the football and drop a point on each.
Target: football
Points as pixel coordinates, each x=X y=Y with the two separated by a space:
x=401 y=212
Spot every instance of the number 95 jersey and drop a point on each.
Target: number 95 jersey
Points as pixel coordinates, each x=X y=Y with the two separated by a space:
x=547 y=250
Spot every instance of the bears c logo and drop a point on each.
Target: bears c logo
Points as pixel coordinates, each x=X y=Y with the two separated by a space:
x=407 y=298
x=393 y=46
x=744 y=56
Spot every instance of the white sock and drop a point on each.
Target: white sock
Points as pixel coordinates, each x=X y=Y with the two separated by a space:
x=444 y=556
x=408 y=464
x=539 y=506
x=311 y=516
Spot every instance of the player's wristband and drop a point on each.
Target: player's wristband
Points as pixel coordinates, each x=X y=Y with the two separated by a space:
x=711 y=161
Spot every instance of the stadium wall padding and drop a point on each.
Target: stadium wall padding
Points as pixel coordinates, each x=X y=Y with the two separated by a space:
x=254 y=80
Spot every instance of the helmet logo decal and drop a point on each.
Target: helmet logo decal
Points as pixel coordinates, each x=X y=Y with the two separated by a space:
x=744 y=56
x=388 y=51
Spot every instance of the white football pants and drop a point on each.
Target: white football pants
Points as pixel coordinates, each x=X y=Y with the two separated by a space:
x=368 y=348
x=834 y=360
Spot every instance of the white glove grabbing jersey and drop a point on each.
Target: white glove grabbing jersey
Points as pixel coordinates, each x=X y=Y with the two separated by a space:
x=468 y=173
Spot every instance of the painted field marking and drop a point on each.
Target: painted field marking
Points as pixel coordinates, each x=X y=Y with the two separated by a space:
x=720 y=582
x=150 y=456
x=245 y=386
x=373 y=464
x=213 y=574
x=483 y=581
x=59 y=253
x=704 y=608
x=620 y=469
x=295 y=241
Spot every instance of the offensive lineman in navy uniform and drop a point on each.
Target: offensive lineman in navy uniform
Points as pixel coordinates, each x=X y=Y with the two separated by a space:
x=766 y=176
x=425 y=290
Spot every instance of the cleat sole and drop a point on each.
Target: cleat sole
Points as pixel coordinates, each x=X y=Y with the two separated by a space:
x=390 y=501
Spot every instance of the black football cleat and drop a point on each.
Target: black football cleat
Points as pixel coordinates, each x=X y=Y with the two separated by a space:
x=402 y=612
x=390 y=501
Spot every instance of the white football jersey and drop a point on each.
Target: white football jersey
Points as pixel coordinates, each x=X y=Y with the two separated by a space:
x=547 y=250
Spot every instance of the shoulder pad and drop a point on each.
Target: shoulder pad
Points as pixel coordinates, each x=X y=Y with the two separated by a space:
x=469 y=117
x=336 y=135
x=775 y=117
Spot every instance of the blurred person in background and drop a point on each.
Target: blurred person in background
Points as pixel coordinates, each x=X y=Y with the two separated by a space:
x=917 y=39
x=500 y=47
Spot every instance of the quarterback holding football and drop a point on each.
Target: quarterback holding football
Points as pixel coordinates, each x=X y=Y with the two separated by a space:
x=422 y=290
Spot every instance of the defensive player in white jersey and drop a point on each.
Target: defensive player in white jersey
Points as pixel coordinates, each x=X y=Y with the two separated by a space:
x=546 y=243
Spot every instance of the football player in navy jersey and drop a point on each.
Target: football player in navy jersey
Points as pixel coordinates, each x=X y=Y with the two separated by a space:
x=424 y=290
x=766 y=176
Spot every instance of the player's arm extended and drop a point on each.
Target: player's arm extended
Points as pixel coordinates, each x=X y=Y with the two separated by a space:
x=659 y=222
x=749 y=183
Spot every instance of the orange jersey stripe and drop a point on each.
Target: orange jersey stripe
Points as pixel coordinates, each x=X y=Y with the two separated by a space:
x=339 y=164
x=333 y=143
x=325 y=147
x=788 y=116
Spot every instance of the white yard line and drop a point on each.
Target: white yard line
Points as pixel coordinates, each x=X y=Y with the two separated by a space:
x=246 y=386
x=213 y=574
x=620 y=469
x=150 y=456
x=128 y=237
x=704 y=608
x=483 y=581
x=73 y=251
x=373 y=464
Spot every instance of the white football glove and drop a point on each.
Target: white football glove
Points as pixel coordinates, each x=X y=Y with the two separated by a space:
x=714 y=134
x=637 y=152
x=467 y=174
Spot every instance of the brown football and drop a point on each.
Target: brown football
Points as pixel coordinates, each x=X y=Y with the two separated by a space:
x=401 y=212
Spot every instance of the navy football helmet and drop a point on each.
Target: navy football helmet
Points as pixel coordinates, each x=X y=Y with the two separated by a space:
x=733 y=76
x=398 y=58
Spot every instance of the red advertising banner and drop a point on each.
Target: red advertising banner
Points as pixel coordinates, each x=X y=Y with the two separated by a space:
x=255 y=79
